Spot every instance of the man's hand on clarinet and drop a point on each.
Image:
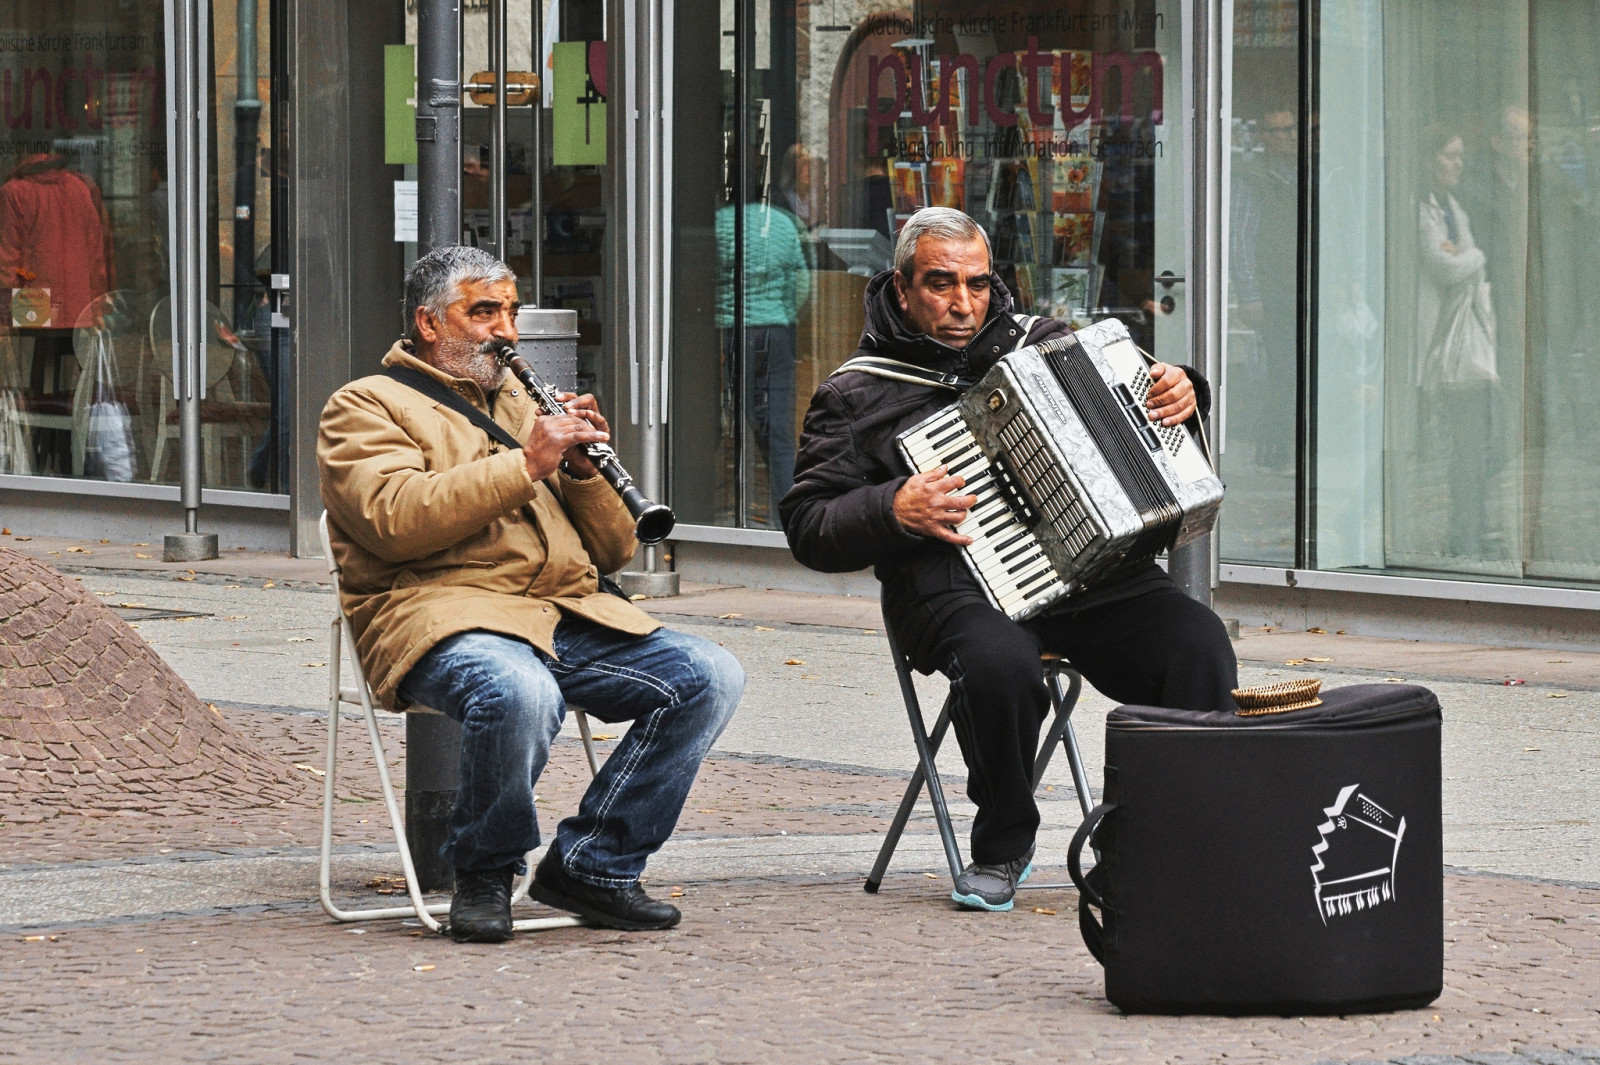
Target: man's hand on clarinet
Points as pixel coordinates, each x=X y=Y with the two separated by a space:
x=1171 y=400
x=558 y=438
x=927 y=505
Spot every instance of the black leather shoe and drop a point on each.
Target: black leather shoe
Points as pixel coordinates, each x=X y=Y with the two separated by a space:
x=480 y=910
x=627 y=908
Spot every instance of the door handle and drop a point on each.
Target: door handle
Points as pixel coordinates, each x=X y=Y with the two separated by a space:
x=1166 y=279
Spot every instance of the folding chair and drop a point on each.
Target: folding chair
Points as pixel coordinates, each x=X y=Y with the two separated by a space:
x=1064 y=684
x=342 y=635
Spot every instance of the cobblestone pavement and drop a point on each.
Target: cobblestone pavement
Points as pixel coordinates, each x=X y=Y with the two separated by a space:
x=760 y=971
x=190 y=934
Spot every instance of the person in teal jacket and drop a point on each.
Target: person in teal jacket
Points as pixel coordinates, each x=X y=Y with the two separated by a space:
x=776 y=281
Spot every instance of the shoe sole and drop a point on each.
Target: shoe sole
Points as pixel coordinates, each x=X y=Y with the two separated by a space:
x=481 y=937
x=539 y=893
x=976 y=902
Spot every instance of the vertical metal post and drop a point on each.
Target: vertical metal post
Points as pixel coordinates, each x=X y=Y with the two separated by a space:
x=433 y=742
x=246 y=119
x=536 y=160
x=1193 y=566
x=497 y=136
x=188 y=75
x=643 y=108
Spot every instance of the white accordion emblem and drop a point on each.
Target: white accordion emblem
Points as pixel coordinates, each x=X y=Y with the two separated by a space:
x=1356 y=856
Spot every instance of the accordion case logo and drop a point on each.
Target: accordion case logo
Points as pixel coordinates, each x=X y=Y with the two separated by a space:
x=1355 y=858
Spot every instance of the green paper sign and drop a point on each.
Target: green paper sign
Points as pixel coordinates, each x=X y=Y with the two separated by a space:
x=578 y=121
x=399 y=112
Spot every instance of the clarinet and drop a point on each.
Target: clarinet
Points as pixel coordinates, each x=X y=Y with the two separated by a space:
x=651 y=521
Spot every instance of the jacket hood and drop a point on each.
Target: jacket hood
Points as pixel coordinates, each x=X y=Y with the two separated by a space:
x=887 y=334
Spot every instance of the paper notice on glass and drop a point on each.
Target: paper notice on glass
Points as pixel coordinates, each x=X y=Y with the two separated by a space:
x=405 y=211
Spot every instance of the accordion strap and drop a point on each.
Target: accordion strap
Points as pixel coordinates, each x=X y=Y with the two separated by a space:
x=895 y=370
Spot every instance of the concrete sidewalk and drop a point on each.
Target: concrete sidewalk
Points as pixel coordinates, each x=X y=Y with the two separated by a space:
x=194 y=935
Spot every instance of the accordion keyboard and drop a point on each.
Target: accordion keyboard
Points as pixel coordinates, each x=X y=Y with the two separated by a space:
x=1005 y=555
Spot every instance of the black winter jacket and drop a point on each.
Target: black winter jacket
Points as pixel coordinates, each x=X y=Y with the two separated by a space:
x=839 y=516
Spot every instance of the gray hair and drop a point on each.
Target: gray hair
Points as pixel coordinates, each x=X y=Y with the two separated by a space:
x=944 y=223
x=434 y=281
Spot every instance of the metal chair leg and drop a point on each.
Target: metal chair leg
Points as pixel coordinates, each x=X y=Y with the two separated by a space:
x=891 y=839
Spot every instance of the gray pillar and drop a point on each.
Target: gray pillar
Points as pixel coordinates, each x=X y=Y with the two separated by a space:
x=1194 y=566
x=433 y=744
x=188 y=76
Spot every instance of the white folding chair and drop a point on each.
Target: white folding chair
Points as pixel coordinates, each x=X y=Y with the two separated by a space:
x=341 y=635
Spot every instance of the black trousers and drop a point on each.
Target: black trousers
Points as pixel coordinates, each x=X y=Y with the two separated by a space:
x=1160 y=648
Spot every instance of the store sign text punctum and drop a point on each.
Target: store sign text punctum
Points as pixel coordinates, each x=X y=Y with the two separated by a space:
x=908 y=95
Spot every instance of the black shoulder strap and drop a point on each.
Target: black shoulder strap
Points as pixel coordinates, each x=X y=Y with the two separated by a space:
x=436 y=390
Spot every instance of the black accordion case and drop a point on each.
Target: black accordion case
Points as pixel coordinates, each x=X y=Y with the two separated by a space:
x=1286 y=863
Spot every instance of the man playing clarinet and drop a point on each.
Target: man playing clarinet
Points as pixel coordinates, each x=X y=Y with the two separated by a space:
x=472 y=576
x=1136 y=637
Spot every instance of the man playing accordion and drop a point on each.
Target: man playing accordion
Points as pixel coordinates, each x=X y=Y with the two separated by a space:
x=1135 y=636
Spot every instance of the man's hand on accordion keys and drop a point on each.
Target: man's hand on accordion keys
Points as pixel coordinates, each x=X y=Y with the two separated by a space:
x=1171 y=400
x=928 y=504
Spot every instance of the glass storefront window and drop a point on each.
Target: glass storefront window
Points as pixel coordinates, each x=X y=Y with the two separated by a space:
x=1457 y=358
x=1260 y=370
x=1054 y=127
x=85 y=328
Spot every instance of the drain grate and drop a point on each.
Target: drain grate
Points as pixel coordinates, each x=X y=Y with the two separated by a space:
x=149 y=613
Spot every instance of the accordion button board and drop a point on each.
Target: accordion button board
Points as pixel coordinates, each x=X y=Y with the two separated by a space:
x=1073 y=480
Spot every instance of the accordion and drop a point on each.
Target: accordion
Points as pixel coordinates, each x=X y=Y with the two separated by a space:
x=1073 y=479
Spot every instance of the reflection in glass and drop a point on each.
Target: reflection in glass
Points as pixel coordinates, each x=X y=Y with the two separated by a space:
x=838 y=120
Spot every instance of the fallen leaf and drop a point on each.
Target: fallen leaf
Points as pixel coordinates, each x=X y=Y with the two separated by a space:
x=869 y=632
x=134 y=606
x=1043 y=910
x=422 y=968
x=140 y=554
x=313 y=665
x=1558 y=695
x=1294 y=662
x=1526 y=749
x=105 y=541
x=22 y=538
x=1561 y=661
x=603 y=736
x=795 y=662
x=1339 y=632
x=1311 y=658
x=1395 y=680
x=231 y=587
x=930 y=876
x=676 y=893
x=79 y=551
x=727 y=616
x=298 y=639
x=104 y=594
x=1320 y=631
x=765 y=628
x=307 y=768
x=141 y=545
x=636 y=597
x=183 y=578
x=5 y=532
x=269 y=584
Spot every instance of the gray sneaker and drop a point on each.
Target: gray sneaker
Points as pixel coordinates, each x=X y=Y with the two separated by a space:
x=991 y=887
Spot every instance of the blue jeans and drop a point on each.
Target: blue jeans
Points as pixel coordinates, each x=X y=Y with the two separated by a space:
x=510 y=697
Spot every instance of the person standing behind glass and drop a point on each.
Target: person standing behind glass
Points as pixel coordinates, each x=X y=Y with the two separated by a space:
x=1457 y=370
x=776 y=281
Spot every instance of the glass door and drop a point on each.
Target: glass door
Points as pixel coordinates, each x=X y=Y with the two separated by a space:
x=1055 y=127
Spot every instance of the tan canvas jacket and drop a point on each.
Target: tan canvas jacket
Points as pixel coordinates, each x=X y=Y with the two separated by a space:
x=437 y=529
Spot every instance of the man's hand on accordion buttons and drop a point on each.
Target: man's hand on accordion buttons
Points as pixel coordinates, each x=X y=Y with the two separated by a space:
x=1171 y=399
x=927 y=504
